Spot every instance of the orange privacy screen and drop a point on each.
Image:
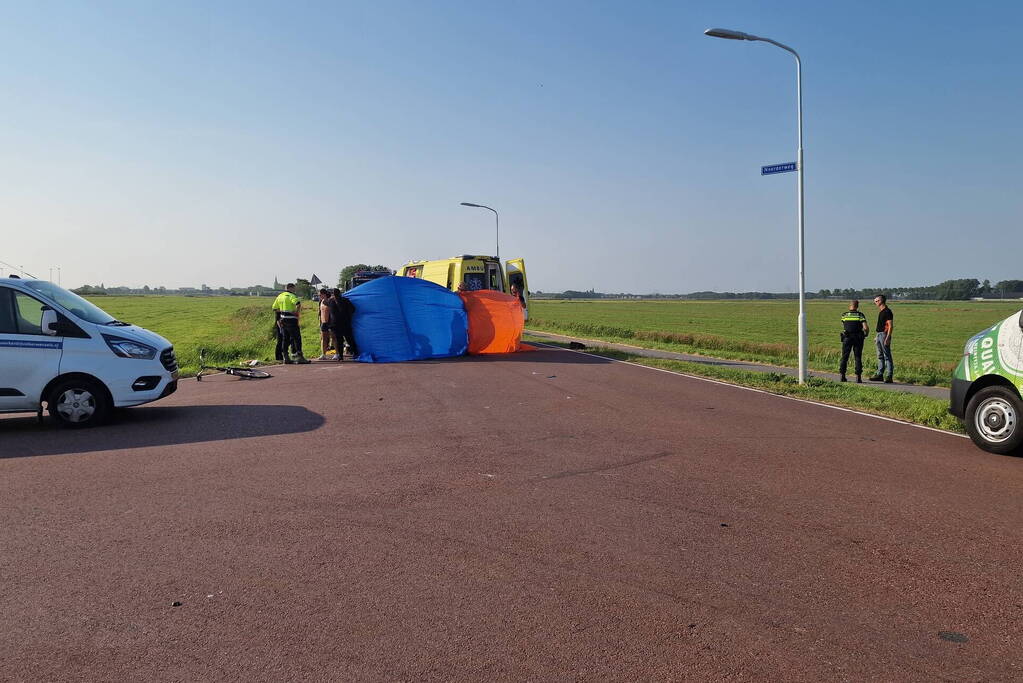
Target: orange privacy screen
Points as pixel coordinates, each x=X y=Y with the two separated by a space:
x=495 y=321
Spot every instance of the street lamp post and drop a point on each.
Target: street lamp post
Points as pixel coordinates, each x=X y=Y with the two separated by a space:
x=739 y=35
x=497 y=225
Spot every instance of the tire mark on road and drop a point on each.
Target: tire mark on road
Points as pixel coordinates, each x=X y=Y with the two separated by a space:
x=606 y=468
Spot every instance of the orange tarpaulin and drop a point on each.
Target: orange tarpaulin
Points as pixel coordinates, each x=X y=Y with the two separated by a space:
x=495 y=321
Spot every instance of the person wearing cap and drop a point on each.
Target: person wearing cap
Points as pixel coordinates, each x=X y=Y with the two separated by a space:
x=287 y=308
x=854 y=331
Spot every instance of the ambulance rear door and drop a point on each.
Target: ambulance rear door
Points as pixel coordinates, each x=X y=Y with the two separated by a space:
x=516 y=269
x=495 y=278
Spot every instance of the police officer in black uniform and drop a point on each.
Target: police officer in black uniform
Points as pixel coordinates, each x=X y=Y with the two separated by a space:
x=854 y=331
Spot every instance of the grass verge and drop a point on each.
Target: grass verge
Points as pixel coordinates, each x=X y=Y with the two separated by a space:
x=915 y=408
x=232 y=330
x=245 y=334
x=818 y=357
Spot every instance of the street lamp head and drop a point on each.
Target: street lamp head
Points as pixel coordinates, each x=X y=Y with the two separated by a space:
x=728 y=33
x=475 y=205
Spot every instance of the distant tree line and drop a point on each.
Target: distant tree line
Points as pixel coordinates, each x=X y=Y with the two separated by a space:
x=303 y=288
x=202 y=290
x=949 y=290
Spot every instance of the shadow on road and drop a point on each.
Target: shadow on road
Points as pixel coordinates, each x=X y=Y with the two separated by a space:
x=155 y=426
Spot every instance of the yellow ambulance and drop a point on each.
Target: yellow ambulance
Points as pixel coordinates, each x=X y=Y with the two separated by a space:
x=474 y=272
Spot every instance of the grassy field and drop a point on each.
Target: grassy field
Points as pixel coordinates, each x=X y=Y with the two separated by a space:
x=231 y=329
x=926 y=346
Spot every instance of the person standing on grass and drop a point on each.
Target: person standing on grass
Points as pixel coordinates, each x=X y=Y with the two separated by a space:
x=854 y=331
x=327 y=337
x=883 y=340
x=288 y=308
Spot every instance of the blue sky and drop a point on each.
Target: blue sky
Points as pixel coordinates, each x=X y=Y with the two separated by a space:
x=186 y=143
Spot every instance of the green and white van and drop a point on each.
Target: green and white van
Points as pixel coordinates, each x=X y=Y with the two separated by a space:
x=986 y=386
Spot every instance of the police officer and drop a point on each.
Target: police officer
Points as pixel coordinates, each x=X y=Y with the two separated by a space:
x=854 y=331
x=287 y=308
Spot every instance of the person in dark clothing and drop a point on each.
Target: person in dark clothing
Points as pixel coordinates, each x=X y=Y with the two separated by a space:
x=883 y=341
x=341 y=314
x=854 y=331
x=279 y=336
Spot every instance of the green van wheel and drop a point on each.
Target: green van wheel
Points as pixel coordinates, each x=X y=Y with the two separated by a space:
x=993 y=420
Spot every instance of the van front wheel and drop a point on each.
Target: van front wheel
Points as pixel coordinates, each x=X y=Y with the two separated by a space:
x=77 y=403
x=993 y=420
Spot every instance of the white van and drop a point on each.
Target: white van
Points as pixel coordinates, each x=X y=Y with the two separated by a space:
x=57 y=348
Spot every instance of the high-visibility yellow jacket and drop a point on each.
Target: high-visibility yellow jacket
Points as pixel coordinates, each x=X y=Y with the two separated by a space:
x=287 y=303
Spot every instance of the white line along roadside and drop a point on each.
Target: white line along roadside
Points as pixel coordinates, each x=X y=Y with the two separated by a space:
x=761 y=391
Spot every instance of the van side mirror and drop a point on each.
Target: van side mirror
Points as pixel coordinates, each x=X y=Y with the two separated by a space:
x=48 y=323
x=1021 y=320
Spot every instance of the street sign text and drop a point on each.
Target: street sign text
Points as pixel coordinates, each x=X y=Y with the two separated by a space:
x=778 y=168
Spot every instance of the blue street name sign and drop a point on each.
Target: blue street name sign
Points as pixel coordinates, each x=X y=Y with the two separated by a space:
x=778 y=168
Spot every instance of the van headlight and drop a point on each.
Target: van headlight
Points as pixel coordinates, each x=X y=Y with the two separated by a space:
x=128 y=348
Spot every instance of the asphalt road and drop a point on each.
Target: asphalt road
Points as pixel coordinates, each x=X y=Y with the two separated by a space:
x=546 y=515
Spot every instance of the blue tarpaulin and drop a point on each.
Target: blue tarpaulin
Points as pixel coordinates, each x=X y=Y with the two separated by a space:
x=402 y=318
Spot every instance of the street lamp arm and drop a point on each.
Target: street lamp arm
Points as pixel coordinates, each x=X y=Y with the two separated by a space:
x=729 y=34
x=799 y=86
x=775 y=42
x=478 y=206
x=497 y=224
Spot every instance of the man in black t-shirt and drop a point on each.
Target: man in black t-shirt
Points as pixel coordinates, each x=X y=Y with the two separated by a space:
x=883 y=340
x=854 y=331
x=342 y=310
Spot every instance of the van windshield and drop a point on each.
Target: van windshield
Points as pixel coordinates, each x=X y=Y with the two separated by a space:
x=72 y=302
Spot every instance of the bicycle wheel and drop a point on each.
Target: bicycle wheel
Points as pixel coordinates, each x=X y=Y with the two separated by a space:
x=246 y=373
